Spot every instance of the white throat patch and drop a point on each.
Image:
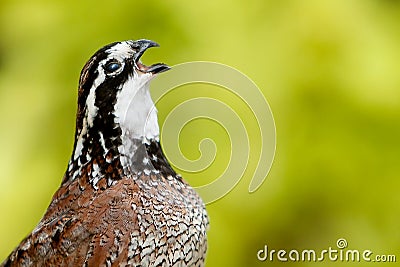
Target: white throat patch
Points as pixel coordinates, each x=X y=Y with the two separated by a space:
x=134 y=109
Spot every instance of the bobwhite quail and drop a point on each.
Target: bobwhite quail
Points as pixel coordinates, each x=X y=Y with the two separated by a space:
x=120 y=203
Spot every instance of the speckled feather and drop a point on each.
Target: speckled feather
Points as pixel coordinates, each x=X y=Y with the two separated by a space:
x=113 y=208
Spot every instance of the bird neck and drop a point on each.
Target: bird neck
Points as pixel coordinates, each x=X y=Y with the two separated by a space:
x=122 y=143
x=102 y=162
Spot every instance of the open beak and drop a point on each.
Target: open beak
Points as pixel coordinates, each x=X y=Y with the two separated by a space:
x=141 y=46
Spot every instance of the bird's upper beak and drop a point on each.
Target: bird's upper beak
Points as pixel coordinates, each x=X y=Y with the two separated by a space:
x=141 y=46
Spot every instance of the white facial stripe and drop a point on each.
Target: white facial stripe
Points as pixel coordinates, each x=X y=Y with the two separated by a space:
x=122 y=49
x=91 y=111
x=91 y=107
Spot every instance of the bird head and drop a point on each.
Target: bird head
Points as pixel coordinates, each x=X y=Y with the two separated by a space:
x=114 y=98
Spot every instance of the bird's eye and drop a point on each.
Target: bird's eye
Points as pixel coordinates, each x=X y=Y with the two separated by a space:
x=112 y=66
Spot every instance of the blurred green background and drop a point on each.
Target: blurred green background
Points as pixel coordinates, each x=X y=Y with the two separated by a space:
x=329 y=69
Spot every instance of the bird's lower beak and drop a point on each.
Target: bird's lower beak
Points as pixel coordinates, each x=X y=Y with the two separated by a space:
x=141 y=46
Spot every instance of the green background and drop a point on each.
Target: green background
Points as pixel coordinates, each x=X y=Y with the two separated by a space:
x=329 y=70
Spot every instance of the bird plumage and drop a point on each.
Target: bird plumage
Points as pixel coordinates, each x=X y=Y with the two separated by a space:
x=120 y=203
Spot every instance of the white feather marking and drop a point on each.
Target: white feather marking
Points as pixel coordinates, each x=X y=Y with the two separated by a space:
x=70 y=165
x=102 y=142
x=76 y=173
x=95 y=180
x=78 y=148
x=90 y=103
x=96 y=170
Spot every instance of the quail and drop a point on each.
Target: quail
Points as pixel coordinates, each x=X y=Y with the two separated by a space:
x=119 y=203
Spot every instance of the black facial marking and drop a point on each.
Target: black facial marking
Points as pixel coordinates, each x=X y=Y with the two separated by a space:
x=105 y=100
